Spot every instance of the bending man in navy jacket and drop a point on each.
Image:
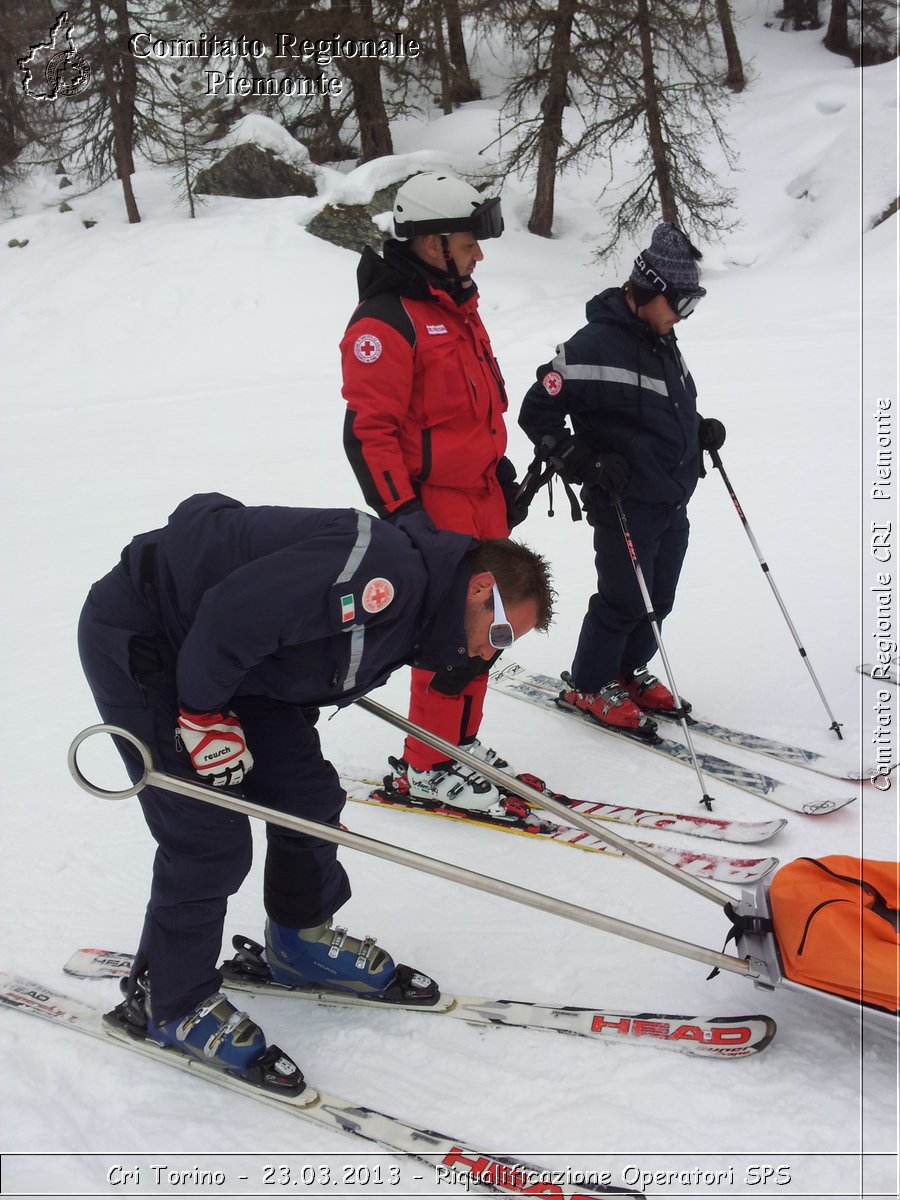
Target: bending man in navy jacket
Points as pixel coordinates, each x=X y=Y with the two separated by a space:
x=231 y=626
x=635 y=435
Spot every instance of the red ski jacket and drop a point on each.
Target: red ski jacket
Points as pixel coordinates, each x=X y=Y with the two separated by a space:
x=425 y=397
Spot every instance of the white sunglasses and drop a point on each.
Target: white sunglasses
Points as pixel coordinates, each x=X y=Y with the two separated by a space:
x=500 y=634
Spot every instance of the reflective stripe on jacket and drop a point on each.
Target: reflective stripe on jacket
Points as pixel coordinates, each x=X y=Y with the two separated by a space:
x=624 y=390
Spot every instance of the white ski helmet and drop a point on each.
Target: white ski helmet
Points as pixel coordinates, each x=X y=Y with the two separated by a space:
x=443 y=204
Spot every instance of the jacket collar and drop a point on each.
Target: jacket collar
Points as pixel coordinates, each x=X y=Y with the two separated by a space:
x=610 y=306
x=441 y=641
x=402 y=271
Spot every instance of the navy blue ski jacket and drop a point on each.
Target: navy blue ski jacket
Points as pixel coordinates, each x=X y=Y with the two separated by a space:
x=306 y=606
x=625 y=390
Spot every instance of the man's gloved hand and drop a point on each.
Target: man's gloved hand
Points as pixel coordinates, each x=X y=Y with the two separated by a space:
x=578 y=462
x=217 y=746
x=712 y=434
x=516 y=511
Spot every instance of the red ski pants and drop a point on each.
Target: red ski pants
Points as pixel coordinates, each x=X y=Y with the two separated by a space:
x=454 y=718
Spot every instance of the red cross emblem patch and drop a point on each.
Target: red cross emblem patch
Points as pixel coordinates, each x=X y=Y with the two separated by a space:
x=367 y=348
x=553 y=382
x=377 y=594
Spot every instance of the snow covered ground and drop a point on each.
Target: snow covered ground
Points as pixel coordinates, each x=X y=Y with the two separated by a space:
x=142 y=364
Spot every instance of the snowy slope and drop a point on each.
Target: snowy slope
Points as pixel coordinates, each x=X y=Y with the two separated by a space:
x=142 y=364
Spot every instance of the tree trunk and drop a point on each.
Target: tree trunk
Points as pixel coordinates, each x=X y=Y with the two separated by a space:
x=735 y=78
x=323 y=134
x=120 y=139
x=837 y=36
x=653 y=116
x=357 y=21
x=127 y=71
x=552 y=107
x=462 y=86
x=440 y=50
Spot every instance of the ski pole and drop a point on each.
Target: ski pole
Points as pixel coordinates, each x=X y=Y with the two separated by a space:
x=717 y=463
x=654 y=625
x=398 y=854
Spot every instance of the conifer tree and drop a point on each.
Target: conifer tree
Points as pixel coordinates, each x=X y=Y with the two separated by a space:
x=633 y=73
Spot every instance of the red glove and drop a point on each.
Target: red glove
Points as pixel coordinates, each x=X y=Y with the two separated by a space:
x=217 y=746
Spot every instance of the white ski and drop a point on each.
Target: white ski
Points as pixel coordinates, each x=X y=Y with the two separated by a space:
x=725 y=829
x=701 y=864
x=482 y=1170
x=699 y=1036
x=544 y=691
x=797 y=756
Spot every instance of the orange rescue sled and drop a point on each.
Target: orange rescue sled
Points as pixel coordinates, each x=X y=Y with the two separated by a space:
x=832 y=925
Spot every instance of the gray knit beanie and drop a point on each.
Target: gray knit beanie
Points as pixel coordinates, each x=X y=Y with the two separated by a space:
x=669 y=259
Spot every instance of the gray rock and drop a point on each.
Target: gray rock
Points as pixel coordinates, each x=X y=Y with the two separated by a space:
x=347 y=225
x=253 y=173
x=352 y=225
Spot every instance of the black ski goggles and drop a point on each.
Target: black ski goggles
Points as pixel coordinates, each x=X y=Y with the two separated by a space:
x=485 y=221
x=683 y=303
x=500 y=634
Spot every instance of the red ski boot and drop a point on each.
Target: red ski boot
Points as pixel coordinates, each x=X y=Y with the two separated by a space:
x=611 y=707
x=652 y=696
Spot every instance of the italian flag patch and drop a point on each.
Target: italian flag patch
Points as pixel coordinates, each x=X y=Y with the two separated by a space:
x=348 y=609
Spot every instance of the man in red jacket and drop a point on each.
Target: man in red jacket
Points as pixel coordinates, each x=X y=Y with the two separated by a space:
x=425 y=432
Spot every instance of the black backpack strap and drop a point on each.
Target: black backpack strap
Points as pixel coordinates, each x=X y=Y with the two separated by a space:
x=740 y=925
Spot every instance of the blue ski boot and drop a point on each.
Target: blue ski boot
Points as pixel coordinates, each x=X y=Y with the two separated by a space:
x=325 y=957
x=213 y=1032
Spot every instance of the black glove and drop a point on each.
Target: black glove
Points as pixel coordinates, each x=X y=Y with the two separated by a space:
x=516 y=511
x=578 y=462
x=712 y=434
x=403 y=510
x=414 y=521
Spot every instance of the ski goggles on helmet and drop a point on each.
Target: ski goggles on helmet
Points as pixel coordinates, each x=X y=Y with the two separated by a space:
x=485 y=221
x=500 y=634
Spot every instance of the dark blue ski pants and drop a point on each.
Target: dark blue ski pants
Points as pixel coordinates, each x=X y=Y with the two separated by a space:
x=616 y=636
x=204 y=853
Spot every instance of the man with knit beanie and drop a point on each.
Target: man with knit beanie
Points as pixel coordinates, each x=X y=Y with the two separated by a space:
x=633 y=434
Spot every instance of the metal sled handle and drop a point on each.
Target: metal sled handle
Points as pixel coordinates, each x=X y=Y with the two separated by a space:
x=569 y=816
x=105 y=793
x=395 y=854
